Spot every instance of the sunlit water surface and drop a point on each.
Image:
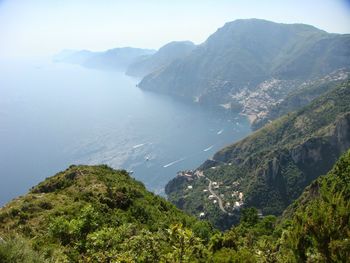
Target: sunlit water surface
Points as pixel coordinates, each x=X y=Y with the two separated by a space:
x=54 y=115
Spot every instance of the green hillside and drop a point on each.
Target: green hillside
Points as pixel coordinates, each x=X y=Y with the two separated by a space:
x=270 y=168
x=97 y=214
x=315 y=228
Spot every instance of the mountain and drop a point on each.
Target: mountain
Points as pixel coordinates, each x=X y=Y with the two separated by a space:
x=251 y=57
x=270 y=168
x=96 y=214
x=74 y=57
x=315 y=228
x=117 y=58
x=114 y=59
x=164 y=56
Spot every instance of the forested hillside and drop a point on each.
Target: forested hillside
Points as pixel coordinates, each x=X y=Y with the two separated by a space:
x=270 y=168
x=97 y=214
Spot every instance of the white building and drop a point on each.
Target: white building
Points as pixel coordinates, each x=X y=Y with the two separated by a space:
x=236 y=205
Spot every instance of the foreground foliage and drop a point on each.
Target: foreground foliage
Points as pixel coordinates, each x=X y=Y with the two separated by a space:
x=97 y=214
x=57 y=223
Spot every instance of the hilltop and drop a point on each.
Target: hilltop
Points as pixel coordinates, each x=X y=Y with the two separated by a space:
x=95 y=213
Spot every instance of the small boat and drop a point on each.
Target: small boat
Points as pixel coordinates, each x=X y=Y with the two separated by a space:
x=219 y=132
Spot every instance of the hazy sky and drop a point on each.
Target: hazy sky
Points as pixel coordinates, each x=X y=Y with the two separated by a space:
x=37 y=27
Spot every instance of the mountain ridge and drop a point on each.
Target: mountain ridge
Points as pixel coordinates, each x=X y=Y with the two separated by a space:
x=243 y=55
x=164 y=56
x=112 y=59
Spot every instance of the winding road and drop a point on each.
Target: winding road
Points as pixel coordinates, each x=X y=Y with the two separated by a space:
x=216 y=196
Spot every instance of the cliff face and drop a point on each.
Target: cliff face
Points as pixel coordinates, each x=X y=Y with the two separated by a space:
x=320 y=215
x=272 y=166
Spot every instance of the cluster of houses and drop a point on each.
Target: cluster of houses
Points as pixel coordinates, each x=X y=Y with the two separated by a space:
x=191 y=174
x=238 y=196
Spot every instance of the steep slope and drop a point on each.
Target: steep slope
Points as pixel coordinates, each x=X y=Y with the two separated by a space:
x=164 y=56
x=97 y=214
x=300 y=97
x=318 y=222
x=314 y=229
x=114 y=59
x=247 y=56
x=270 y=168
x=50 y=226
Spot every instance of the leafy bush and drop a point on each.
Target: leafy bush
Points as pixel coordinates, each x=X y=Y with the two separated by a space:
x=18 y=250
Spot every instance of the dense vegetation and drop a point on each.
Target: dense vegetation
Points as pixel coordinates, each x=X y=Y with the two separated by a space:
x=315 y=228
x=96 y=214
x=271 y=167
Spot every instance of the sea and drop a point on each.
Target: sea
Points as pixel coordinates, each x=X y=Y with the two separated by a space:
x=53 y=115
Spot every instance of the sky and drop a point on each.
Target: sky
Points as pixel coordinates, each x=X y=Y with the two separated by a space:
x=44 y=27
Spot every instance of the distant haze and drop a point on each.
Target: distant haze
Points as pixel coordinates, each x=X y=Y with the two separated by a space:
x=39 y=27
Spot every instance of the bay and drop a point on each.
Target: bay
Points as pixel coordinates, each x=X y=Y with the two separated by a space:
x=54 y=115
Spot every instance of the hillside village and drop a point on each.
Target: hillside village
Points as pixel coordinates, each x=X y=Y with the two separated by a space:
x=228 y=198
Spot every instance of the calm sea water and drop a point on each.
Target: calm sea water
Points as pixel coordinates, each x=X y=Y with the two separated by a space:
x=54 y=115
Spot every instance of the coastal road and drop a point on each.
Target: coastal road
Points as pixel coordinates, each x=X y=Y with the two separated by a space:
x=216 y=196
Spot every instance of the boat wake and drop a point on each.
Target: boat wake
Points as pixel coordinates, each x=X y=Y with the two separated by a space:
x=138 y=145
x=174 y=162
x=209 y=148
